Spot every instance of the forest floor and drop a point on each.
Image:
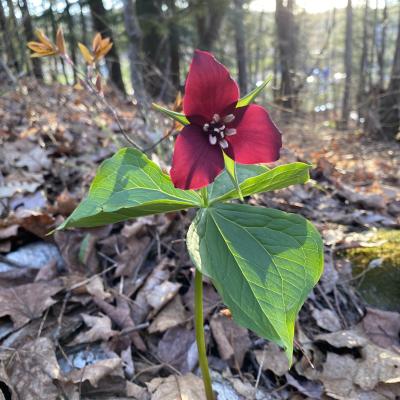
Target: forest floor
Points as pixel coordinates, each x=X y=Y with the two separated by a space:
x=107 y=313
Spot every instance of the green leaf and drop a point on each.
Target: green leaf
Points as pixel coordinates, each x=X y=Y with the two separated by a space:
x=257 y=179
x=181 y=118
x=129 y=185
x=263 y=262
x=249 y=98
x=230 y=168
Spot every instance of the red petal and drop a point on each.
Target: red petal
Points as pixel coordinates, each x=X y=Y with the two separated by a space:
x=196 y=162
x=209 y=88
x=257 y=139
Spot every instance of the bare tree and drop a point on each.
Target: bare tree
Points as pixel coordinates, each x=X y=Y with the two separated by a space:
x=71 y=36
x=209 y=15
x=241 y=57
x=135 y=61
x=29 y=34
x=381 y=45
x=6 y=37
x=174 y=44
x=361 y=92
x=287 y=43
x=101 y=24
x=389 y=110
x=348 y=52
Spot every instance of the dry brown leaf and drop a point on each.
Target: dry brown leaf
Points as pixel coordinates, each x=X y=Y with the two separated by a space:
x=327 y=319
x=382 y=327
x=345 y=376
x=121 y=315
x=232 y=340
x=9 y=231
x=133 y=256
x=160 y=295
x=178 y=348
x=272 y=358
x=136 y=391
x=95 y=287
x=97 y=371
x=26 y=302
x=171 y=315
x=186 y=387
x=100 y=329
x=33 y=369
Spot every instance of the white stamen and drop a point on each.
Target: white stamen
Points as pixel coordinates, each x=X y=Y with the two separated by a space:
x=212 y=139
x=222 y=127
x=223 y=143
x=222 y=135
x=230 y=132
x=229 y=118
x=216 y=130
x=205 y=127
x=216 y=118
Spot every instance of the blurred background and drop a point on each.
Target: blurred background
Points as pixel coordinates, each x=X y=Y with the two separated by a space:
x=114 y=305
x=336 y=61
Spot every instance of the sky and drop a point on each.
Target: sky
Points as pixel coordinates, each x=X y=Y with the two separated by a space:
x=311 y=6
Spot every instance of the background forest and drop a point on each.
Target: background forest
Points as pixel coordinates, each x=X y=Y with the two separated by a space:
x=107 y=313
x=340 y=63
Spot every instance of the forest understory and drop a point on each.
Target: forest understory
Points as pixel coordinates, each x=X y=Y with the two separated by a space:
x=107 y=313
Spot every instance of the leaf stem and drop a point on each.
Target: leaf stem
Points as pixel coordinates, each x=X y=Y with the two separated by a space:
x=204 y=195
x=200 y=340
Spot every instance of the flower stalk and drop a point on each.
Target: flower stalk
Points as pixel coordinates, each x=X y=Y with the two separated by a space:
x=200 y=338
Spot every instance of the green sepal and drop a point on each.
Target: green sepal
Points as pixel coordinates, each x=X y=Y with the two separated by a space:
x=181 y=118
x=249 y=97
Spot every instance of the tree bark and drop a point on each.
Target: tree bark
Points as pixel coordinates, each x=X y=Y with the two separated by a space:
x=6 y=36
x=135 y=61
x=29 y=34
x=83 y=23
x=361 y=92
x=389 y=110
x=241 y=56
x=348 y=52
x=73 y=43
x=15 y=28
x=287 y=43
x=209 y=15
x=174 y=44
x=154 y=45
x=101 y=24
x=381 y=47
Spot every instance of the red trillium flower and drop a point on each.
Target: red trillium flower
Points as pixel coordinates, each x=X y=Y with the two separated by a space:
x=246 y=134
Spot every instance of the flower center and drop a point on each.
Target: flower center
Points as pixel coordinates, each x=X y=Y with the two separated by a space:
x=217 y=130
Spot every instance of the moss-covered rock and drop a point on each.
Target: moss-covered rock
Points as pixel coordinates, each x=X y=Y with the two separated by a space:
x=377 y=268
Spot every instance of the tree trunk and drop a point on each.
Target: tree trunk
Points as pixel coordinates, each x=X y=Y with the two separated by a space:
x=287 y=43
x=6 y=36
x=348 y=67
x=209 y=16
x=241 y=57
x=381 y=47
x=135 y=61
x=174 y=43
x=83 y=23
x=100 y=24
x=361 y=93
x=16 y=33
x=389 y=110
x=29 y=34
x=71 y=37
x=154 y=45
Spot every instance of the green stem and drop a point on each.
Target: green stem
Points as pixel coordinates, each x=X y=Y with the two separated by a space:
x=204 y=195
x=200 y=340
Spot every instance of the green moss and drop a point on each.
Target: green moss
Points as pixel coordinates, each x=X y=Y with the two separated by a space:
x=377 y=266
